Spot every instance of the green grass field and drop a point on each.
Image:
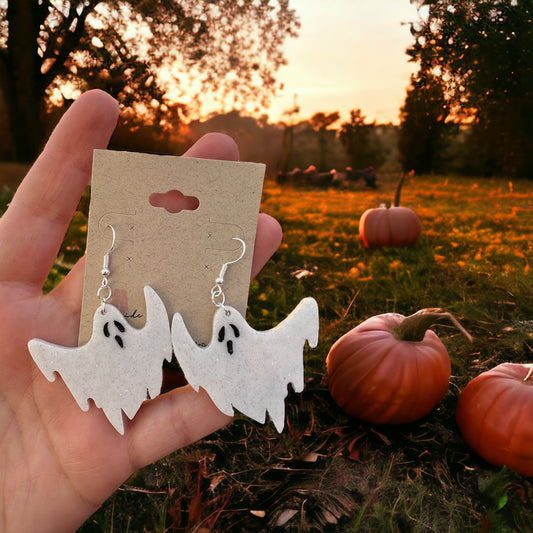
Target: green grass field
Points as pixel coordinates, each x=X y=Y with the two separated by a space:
x=326 y=471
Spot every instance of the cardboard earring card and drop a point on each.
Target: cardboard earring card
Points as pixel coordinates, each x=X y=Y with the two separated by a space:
x=162 y=231
x=175 y=219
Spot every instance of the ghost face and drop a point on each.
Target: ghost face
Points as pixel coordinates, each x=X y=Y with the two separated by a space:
x=118 y=334
x=228 y=335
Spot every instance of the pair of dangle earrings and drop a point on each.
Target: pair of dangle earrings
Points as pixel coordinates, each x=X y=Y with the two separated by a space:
x=242 y=368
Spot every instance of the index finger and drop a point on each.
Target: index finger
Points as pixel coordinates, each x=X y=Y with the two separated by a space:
x=33 y=228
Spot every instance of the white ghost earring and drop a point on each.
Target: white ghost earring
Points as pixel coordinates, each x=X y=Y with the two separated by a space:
x=120 y=366
x=243 y=368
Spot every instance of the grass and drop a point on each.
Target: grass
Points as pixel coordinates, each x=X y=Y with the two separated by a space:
x=326 y=471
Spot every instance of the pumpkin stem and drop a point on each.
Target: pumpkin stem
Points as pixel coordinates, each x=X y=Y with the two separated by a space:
x=398 y=191
x=530 y=366
x=414 y=327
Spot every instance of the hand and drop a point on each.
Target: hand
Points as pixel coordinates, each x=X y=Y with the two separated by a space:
x=58 y=464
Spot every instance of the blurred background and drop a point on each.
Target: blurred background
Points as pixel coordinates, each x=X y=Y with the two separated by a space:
x=439 y=86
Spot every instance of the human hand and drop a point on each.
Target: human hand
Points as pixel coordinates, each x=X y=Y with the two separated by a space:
x=58 y=464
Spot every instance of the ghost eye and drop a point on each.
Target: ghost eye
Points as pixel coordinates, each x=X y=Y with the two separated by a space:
x=119 y=326
x=106 y=329
x=221 y=334
x=235 y=330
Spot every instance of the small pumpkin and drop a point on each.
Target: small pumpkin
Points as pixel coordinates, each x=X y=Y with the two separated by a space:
x=494 y=416
x=390 y=369
x=394 y=226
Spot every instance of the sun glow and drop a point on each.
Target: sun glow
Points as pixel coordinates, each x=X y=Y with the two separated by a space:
x=350 y=56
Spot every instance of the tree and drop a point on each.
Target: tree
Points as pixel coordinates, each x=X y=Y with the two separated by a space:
x=421 y=136
x=482 y=52
x=137 y=50
x=320 y=122
x=360 y=141
x=287 y=145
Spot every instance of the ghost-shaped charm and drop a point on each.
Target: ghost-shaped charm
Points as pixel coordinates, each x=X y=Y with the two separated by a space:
x=246 y=369
x=120 y=366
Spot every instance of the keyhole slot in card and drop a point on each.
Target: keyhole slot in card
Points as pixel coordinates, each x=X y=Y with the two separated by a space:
x=174 y=201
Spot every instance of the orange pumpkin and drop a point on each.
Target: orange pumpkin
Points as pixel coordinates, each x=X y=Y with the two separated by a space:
x=494 y=416
x=394 y=226
x=390 y=369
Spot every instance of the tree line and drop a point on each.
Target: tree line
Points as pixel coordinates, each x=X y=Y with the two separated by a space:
x=468 y=109
x=470 y=106
x=137 y=51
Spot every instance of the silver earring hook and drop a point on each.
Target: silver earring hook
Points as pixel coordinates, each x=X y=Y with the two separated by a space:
x=217 y=294
x=220 y=278
x=114 y=238
x=105 y=292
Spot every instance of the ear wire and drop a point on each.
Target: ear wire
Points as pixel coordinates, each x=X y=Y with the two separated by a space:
x=217 y=294
x=105 y=292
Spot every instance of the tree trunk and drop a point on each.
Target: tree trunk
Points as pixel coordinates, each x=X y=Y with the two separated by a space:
x=286 y=159
x=22 y=80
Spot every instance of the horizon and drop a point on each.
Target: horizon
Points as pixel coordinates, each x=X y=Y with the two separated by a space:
x=371 y=73
x=374 y=78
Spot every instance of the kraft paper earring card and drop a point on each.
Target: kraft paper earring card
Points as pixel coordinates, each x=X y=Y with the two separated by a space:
x=175 y=220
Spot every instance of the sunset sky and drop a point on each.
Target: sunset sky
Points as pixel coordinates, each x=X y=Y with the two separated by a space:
x=350 y=54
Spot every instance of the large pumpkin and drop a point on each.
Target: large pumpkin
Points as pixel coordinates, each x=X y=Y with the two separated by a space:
x=494 y=414
x=393 y=226
x=390 y=369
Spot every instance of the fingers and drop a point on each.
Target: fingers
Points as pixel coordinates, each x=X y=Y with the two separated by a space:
x=267 y=241
x=172 y=421
x=33 y=228
x=70 y=290
x=214 y=146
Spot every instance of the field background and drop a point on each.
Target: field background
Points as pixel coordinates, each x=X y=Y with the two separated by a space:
x=326 y=471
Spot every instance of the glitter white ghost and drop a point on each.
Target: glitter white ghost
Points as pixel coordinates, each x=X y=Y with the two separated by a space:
x=120 y=366
x=246 y=369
